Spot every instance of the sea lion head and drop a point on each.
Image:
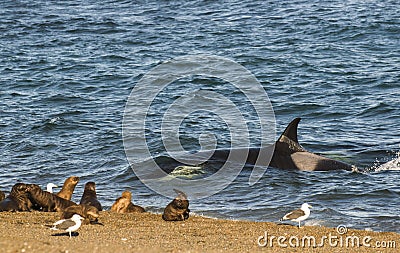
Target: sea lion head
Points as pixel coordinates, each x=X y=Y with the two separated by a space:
x=32 y=187
x=68 y=188
x=127 y=195
x=180 y=203
x=92 y=212
x=19 y=193
x=19 y=188
x=181 y=200
x=90 y=186
x=72 y=180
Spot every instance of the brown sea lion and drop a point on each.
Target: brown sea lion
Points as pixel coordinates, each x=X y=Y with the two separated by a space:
x=68 y=188
x=2 y=196
x=89 y=196
x=47 y=201
x=124 y=204
x=17 y=200
x=178 y=209
x=90 y=213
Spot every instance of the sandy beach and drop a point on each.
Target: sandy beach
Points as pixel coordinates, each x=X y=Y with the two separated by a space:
x=26 y=232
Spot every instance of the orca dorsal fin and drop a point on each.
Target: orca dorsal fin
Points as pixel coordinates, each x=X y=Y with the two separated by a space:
x=289 y=136
x=291 y=130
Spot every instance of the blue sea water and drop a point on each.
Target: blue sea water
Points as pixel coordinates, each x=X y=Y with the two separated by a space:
x=67 y=69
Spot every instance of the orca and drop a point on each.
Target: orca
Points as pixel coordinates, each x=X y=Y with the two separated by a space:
x=287 y=154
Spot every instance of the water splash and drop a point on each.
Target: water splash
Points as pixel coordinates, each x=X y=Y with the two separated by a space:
x=54 y=121
x=393 y=164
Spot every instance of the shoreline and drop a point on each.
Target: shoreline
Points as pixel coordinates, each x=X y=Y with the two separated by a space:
x=147 y=232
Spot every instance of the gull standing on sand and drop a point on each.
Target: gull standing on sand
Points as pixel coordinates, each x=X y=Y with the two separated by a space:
x=50 y=186
x=298 y=215
x=69 y=225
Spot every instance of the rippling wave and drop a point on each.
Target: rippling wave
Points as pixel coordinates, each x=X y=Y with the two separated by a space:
x=68 y=67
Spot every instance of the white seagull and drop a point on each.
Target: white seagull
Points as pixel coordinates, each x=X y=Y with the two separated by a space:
x=50 y=186
x=298 y=215
x=69 y=225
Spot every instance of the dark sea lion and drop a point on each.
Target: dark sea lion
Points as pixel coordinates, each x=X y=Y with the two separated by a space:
x=46 y=200
x=2 y=196
x=89 y=196
x=135 y=209
x=124 y=204
x=90 y=213
x=178 y=209
x=68 y=188
x=17 y=200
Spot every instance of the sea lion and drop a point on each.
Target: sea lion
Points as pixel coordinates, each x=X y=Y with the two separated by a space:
x=178 y=209
x=47 y=201
x=17 y=200
x=124 y=204
x=90 y=213
x=68 y=188
x=89 y=196
x=2 y=196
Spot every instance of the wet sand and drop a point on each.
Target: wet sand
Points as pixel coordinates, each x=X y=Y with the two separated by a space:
x=26 y=232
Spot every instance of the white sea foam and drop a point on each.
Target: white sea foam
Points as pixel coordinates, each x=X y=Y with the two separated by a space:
x=393 y=164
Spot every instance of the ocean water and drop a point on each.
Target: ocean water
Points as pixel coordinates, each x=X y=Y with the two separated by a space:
x=68 y=68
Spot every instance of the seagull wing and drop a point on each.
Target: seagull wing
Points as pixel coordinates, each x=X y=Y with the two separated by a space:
x=64 y=224
x=294 y=214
